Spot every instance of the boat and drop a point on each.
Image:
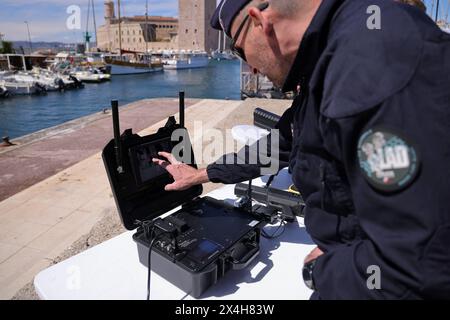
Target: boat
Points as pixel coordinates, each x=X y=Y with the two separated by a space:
x=91 y=76
x=222 y=53
x=185 y=60
x=132 y=63
x=48 y=82
x=3 y=91
x=21 y=88
x=54 y=81
x=36 y=81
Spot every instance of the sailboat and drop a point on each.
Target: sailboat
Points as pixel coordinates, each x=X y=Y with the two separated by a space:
x=176 y=60
x=131 y=62
x=222 y=53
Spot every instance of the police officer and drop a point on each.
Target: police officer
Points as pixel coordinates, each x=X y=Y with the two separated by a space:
x=370 y=149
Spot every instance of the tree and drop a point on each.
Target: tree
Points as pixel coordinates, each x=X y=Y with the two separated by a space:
x=7 y=47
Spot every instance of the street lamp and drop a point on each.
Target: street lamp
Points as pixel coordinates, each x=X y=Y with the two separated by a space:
x=29 y=36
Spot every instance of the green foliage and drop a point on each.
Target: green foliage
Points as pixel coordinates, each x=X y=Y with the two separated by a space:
x=7 y=47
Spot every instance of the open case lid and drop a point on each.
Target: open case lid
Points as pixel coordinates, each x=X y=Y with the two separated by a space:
x=139 y=190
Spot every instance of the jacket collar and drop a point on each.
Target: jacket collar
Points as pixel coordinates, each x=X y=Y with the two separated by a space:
x=312 y=45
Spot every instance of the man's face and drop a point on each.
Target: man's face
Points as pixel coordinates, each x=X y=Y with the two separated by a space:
x=257 y=46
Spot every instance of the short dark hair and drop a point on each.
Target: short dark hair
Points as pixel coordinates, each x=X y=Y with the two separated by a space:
x=417 y=3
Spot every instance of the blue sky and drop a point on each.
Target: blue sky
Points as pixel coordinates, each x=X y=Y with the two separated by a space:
x=47 y=18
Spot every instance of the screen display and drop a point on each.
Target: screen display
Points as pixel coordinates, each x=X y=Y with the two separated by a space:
x=143 y=155
x=204 y=250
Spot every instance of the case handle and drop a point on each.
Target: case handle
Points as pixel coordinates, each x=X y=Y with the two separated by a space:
x=245 y=261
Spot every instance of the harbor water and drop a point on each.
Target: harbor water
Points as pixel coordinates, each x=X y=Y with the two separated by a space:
x=22 y=115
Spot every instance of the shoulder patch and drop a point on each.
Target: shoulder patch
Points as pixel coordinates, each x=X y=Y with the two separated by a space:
x=388 y=161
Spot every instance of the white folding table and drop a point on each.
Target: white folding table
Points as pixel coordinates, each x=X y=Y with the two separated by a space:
x=112 y=269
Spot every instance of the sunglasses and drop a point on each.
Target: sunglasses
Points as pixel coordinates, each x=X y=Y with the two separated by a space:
x=239 y=52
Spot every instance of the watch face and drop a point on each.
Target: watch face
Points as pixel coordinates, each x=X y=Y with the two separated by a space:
x=307 y=276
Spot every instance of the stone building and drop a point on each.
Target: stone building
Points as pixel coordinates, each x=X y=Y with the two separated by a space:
x=194 y=28
x=139 y=33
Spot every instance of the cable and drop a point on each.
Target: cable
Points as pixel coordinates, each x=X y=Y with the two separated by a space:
x=149 y=275
x=149 y=231
x=274 y=234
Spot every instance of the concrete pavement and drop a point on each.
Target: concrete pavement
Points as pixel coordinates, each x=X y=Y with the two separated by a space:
x=39 y=222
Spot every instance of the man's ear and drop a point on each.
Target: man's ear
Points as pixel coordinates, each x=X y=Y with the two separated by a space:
x=260 y=21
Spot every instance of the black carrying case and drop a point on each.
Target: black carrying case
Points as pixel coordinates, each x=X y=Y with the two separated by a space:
x=210 y=238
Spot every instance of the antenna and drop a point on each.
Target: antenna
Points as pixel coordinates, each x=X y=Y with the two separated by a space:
x=117 y=143
x=182 y=107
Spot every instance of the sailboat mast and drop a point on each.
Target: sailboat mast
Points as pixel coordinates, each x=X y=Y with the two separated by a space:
x=437 y=11
x=86 y=35
x=446 y=14
x=95 y=23
x=120 y=29
x=146 y=27
x=88 y=14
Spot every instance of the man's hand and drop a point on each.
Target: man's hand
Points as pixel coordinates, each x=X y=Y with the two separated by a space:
x=313 y=255
x=184 y=175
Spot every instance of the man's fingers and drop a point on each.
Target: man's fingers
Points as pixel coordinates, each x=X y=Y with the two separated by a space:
x=172 y=187
x=160 y=162
x=169 y=157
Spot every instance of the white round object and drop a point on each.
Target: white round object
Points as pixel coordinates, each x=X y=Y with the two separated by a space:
x=248 y=134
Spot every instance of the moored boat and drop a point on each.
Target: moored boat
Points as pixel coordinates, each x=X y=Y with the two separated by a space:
x=126 y=65
x=22 y=88
x=185 y=60
x=3 y=91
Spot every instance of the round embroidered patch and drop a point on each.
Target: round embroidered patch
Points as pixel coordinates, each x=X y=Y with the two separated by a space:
x=388 y=161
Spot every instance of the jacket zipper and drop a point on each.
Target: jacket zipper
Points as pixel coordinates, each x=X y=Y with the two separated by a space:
x=323 y=185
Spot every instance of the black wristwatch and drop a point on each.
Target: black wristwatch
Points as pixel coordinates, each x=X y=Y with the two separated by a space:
x=308 y=274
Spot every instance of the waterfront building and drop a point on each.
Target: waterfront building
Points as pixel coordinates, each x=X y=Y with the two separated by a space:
x=140 y=33
x=195 y=32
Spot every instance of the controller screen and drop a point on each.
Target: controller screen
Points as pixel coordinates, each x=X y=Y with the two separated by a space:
x=146 y=169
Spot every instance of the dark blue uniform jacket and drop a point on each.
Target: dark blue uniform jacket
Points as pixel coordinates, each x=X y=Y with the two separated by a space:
x=361 y=86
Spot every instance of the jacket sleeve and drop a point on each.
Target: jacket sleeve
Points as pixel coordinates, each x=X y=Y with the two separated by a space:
x=241 y=166
x=405 y=252
x=388 y=80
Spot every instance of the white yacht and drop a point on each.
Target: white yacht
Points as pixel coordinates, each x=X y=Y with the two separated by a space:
x=91 y=75
x=47 y=82
x=185 y=60
x=21 y=88
x=222 y=55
